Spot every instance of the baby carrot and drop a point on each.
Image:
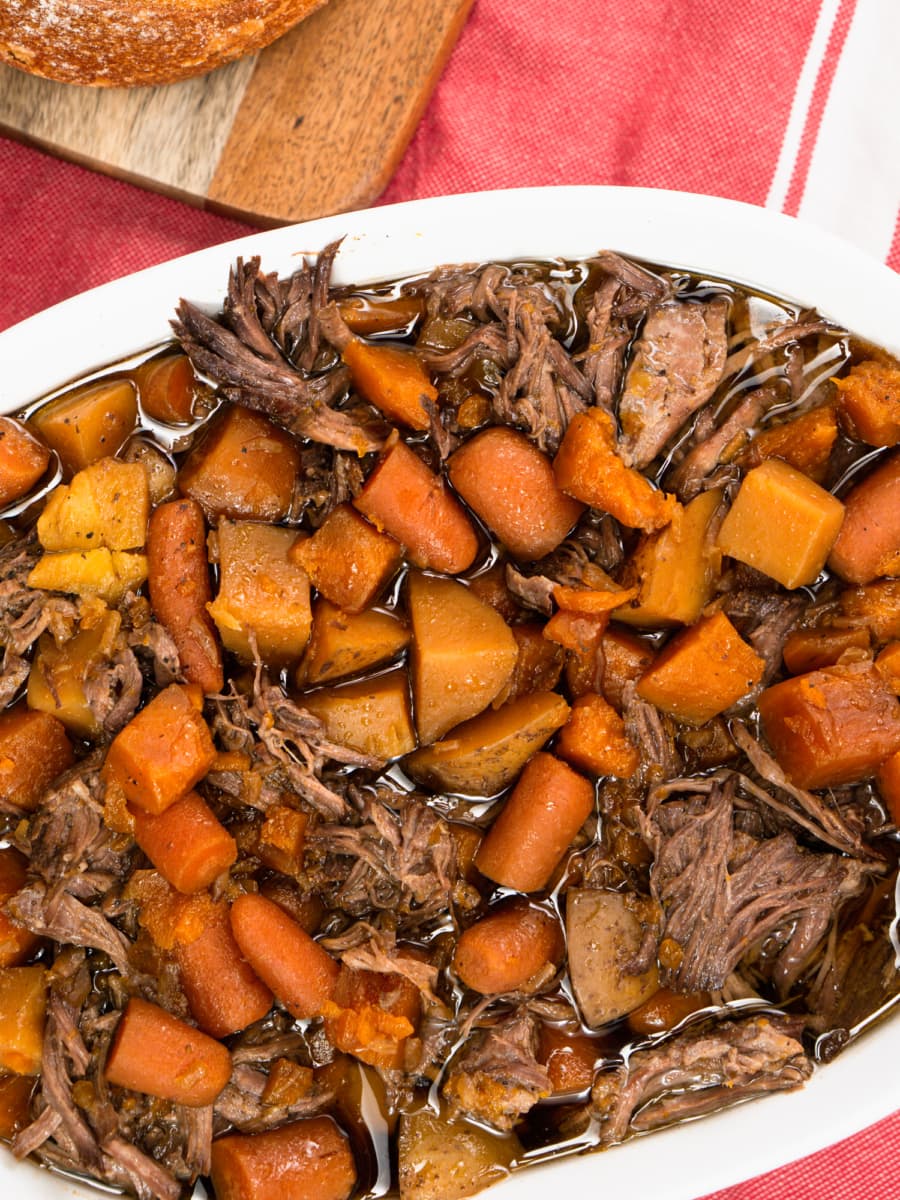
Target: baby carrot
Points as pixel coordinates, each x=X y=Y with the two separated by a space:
x=408 y=501
x=546 y=809
x=223 y=991
x=510 y=484
x=300 y=973
x=186 y=843
x=294 y=1162
x=23 y=460
x=505 y=949
x=156 y=1053
x=178 y=577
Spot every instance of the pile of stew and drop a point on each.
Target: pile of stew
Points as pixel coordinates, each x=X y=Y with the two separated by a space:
x=444 y=725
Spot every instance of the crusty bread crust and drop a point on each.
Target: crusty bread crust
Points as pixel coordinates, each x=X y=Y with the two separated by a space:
x=123 y=43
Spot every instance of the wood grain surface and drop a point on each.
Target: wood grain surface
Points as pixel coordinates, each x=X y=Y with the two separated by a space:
x=315 y=124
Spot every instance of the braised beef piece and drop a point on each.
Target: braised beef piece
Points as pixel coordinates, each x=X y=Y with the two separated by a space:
x=701 y=1069
x=497 y=1078
x=25 y=612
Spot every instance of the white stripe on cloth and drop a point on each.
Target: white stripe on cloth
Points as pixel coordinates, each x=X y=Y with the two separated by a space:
x=853 y=183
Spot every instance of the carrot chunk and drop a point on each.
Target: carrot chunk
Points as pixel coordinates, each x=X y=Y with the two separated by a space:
x=300 y=973
x=408 y=501
x=832 y=726
x=569 y=1058
x=594 y=739
x=23 y=460
x=180 y=589
x=503 y=951
x=809 y=649
x=163 y=751
x=510 y=484
x=588 y=467
x=347 y=559
x=222 y=989
x=34 y=749
x=23 y=1007
x=304 y=1159
x=393 y=379
x=157 y=1054
x=536 y=826
x=167 y=388
x=869 y=400
x=16 y=942
x=868 y=544
x=186 y=843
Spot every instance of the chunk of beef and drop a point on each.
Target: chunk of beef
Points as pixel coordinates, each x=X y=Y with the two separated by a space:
x=701 y=1069
x=675 y=368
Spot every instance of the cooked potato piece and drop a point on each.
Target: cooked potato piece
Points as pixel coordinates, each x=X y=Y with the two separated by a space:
x=34 y=749
x=782 y=524
x=244 y=466
x=263 y=596
x=676 y=568
x=56 y=682
x=484 y=755
x=347 y=559
x=106 y=504
x=604 y=934
x=88 y=423
x=23 y=1006
x=104 y=574
x=463 y=654
x=344 y=643
x=448 y=1160
x=372 y=715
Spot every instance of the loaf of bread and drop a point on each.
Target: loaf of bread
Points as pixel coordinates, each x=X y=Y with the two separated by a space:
x=125 y=43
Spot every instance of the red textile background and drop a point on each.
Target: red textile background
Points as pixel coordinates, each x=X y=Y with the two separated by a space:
x=658 y=93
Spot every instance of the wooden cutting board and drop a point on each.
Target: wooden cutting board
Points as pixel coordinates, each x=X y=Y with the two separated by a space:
x=315 y=124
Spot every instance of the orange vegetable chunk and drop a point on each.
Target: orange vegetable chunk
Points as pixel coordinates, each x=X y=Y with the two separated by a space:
x=303 y=1160
x=805 y=442
x=15 y=1104
x=589 y=467
x=243 y=466
x=16 y=942
x=664 y=1010
x=88 y=423
x=407 y=500
x=23 y=460
x=223 y=991
x=833 y=726
x=536 y=825
x=888 y=664
x=869 y=402
x=782 y=524
x=186 y=843
x=282 y=839
x=163 y=751
x=372 y=1014
x=167 y=388
x=23 y=1008
x=868 y=544
x=570 y=1058
x=626 y=656
x=158 y=1054
x=370 y=715
x=343 y=643
x=263 y=596
x=366 y=315
x=300 y=973
x=463 y=654
x=34 y=749
x=702 y=671
x=504 y=950
x=594 y=739
x=393 y=379
x=347 y=559
x=510 y=484
x=809 y=649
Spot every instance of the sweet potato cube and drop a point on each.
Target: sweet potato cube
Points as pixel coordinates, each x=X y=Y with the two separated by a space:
x=15 y=1103
x=163 y=751
x=888 y=780
x=594 y=739
x=372 y=1014
x=887 y=663
x=539 y=663
x=463 y=654
x=588 y=467
x=89 y=422
x=263 y=596
x=809 y=649
x=782 y=524
x=393 y=379
x=16 y=942
x=484 y=755
x=876 y=606
x=23 y=1007
x=34 y=749
x=676 y=568
x=102 y=574
x=282 y=838
x=371 y=716
x=833 y=726
x=702 y=671
x=805 y=442
x=56 y=682
x=348 y=560
x=106 y=504
x=23 y=460
x=869 y=403
x=243 y=466
x=343 y=643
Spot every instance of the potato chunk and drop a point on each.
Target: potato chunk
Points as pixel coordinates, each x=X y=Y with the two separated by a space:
x=604 y=933
x=263 y=595
x=107 y=504
x=782 y=524
x=371 y=716
x=463 y=654
x=101 y=573
x=56 y=682
x=444 y=1160
x=344 y=643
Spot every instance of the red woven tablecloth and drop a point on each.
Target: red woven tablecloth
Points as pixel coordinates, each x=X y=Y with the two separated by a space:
x=791 y=104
